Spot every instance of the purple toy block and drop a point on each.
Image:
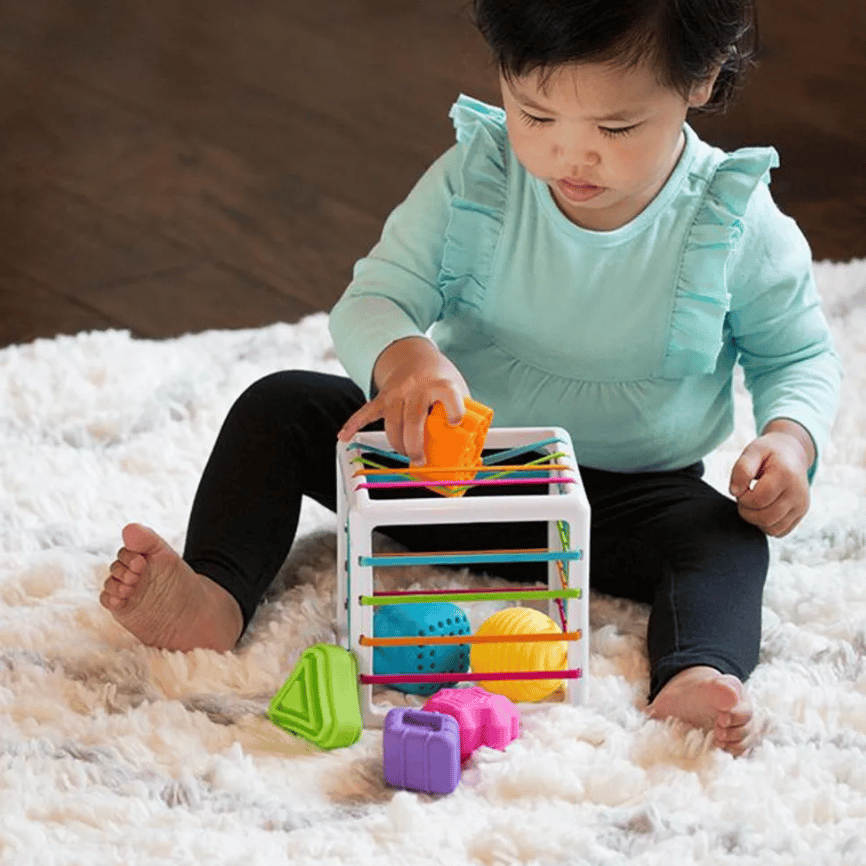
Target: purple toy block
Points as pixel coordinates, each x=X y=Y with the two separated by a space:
x=484 y=719
x=421 y=751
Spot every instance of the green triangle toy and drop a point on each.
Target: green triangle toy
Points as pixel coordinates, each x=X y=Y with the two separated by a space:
x=319 y=701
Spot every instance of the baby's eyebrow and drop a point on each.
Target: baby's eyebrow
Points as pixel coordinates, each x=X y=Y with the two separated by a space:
x=523 y=99
x=617 y=116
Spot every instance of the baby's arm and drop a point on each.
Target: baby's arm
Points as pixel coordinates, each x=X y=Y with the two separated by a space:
x=379 y=324
x=410 y=375
x=790 y=366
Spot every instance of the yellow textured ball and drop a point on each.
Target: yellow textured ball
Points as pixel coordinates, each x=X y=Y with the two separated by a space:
x=532 y=656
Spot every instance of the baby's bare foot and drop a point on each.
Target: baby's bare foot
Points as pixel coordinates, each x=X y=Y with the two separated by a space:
x=704 y=697
x=155 y=595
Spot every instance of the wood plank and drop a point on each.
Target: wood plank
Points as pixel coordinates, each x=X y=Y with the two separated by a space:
x=125 y=277
x=291 y=101
x=279 y=230
x=68 y=243
x=197 y=298
x=29 y=309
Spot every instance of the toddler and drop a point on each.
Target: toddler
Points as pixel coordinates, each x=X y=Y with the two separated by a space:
x=580 y=258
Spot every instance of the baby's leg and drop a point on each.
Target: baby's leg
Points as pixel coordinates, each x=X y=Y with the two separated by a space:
x=705 y=626
x=276 y=445
x=671 y=539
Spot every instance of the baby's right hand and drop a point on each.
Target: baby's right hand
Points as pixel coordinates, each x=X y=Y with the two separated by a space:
x=411 y=375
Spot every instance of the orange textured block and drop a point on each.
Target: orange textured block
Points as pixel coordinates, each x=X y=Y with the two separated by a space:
x=455 y=448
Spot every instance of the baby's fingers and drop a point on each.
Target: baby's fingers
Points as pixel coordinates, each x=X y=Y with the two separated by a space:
x=415 y=412
x=771 y=505
x=369 y=412
x=762 y=493
x=786 y=524
x=776 y=520
x=746 y=470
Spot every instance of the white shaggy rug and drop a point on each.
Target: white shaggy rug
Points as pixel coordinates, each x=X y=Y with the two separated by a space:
x=113 y=753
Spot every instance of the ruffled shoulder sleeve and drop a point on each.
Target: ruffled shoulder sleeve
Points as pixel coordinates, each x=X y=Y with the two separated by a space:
x=702 y=298
x=469 y=114
x=477 y=207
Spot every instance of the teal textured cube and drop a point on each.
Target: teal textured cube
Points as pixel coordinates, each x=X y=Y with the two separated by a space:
x=408 y=620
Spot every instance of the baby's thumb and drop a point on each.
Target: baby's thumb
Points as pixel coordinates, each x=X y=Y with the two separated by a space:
x=454 y=409
x=745 y=470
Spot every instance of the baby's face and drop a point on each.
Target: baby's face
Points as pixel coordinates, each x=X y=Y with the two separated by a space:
x=604 y=139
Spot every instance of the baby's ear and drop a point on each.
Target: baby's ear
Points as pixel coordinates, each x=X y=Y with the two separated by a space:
x=702 y=91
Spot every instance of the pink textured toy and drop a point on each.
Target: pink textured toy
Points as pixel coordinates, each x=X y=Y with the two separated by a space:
x=484 y=719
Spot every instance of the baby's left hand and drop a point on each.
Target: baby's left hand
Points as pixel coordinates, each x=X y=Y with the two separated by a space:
x=777 y=462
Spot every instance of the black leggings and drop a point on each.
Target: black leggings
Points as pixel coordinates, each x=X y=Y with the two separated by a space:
x=664 y=538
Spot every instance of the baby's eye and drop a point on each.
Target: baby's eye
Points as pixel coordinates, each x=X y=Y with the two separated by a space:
x=614 y=131
x=532 y=120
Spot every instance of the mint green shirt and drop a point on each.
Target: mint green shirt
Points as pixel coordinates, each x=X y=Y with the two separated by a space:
x=626 y=338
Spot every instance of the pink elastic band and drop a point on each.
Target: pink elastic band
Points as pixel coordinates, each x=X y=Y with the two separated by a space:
x=432 y=482
x=373 y=679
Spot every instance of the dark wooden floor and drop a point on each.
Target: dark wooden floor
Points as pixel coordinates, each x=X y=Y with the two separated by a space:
x=175 y=166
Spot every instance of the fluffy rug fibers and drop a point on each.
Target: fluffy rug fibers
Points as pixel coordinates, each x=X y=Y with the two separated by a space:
x=114 y=753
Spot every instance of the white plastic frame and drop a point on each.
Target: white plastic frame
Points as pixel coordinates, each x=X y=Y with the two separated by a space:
x=358 y=515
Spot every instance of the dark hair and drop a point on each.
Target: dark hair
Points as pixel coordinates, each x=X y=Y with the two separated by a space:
x=685 y=40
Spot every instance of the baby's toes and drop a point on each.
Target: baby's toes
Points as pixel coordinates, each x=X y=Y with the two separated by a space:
x=736 y=739
x=123 y=575
x=135 y=562
x=110 y=602
x=121 y=587
x=114 y=594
